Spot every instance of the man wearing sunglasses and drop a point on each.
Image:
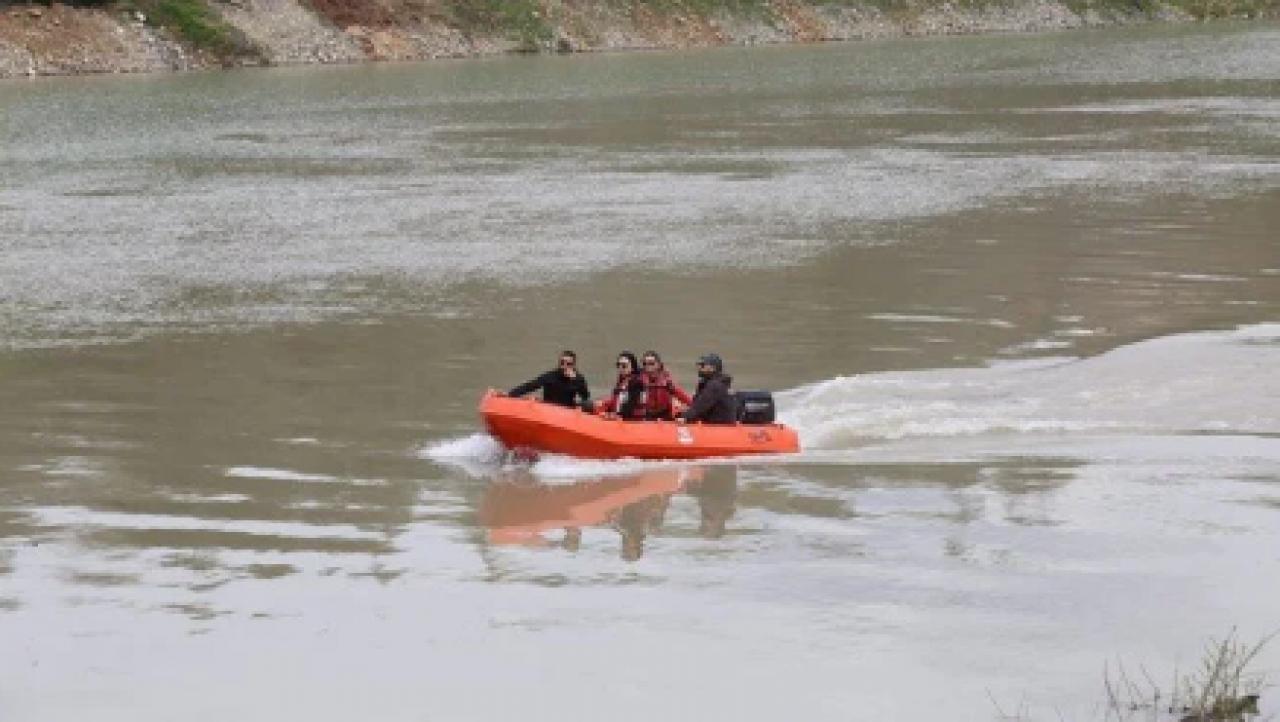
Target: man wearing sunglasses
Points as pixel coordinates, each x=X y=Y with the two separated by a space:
x=563 y=385
x=712 y=402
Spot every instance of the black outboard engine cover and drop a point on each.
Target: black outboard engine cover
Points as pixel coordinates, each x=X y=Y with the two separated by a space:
x=755 y=407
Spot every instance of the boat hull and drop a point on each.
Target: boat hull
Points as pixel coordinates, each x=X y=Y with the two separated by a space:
x=530 y=424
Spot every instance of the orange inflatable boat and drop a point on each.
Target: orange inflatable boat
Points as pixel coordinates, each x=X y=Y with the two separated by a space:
x=530 y=424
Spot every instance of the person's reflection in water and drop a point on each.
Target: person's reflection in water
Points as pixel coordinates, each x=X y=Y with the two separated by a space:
x=717 y=495
x=519 y=509
x=637 y=520
x=572 y=538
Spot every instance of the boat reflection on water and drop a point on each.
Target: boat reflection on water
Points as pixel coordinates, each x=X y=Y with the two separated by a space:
x=520 y=509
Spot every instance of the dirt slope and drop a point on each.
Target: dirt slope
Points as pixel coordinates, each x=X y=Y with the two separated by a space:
x=56 y=39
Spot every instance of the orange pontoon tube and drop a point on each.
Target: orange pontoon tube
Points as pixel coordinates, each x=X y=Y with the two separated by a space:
x=531 y=424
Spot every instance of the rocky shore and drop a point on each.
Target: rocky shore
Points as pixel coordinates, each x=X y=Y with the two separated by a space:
x=61 y=40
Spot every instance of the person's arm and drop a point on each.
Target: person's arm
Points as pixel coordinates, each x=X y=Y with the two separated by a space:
x=680 y=393
x=528 y=386
x=697 y=408
x=607 y=405
x=703 y=402
x=584 y=391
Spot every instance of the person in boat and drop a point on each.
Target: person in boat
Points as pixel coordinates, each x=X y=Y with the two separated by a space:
x=659 y=388
x=564 y=385
x=712 y=402
x=627 y=399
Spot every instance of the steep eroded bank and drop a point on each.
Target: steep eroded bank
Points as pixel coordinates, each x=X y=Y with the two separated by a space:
x=151 y=35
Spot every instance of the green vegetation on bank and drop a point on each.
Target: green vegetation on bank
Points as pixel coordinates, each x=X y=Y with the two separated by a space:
x=522 y=21
x=1199 y=9
x=191 y=20
x=1109 y=9
x=744 y=8
x=195 y=22
x=1217 y=9
x=534 y=25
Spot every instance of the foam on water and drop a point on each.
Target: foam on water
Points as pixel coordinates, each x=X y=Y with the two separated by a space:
x=477 y=455
x=1218 y=382
x=478 y=448
x=480 y=455
x=255 y=472
x=551 y=467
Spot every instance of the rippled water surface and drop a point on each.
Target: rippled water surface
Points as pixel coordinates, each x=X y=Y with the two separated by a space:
x=1019 y=295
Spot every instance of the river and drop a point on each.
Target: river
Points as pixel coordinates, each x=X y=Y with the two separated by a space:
x=1020 y=296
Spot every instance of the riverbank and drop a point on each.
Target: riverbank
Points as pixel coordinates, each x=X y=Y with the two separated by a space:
x=163 y=35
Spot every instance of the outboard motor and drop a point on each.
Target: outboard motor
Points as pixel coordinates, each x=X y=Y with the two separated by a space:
x=755 y=407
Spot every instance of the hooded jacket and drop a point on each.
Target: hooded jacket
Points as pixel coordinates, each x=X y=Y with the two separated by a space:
x=713 y=403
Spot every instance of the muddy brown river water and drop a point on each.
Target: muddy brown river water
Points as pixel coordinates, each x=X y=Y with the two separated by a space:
x=1019 y=295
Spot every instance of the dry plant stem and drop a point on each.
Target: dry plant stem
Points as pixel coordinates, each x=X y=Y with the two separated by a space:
x=1126 y=697
x=1216 y=692
x=1222 y=689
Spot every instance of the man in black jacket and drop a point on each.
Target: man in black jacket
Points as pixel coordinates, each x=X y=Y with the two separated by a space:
x=562 y=385
x=712 y=402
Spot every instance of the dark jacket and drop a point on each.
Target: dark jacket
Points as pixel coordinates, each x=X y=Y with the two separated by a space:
x=712 y=402
x=557 y=388
x=627 y=399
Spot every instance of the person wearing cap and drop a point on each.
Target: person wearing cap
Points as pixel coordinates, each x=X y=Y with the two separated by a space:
x=712 y=402
x=562 y=385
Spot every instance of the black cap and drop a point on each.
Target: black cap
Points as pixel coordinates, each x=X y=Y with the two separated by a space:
x=712 y=360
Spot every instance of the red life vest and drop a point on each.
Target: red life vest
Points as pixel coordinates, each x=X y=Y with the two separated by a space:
x=658 y=390
x=618 y=398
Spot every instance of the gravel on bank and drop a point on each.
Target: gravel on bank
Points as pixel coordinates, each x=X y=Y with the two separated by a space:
x=61 y=40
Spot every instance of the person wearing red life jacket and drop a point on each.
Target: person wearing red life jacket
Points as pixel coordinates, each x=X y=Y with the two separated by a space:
x=627 y=399
x=659 y=388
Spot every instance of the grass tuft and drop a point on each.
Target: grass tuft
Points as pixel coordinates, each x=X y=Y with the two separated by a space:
x=1223 y=688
